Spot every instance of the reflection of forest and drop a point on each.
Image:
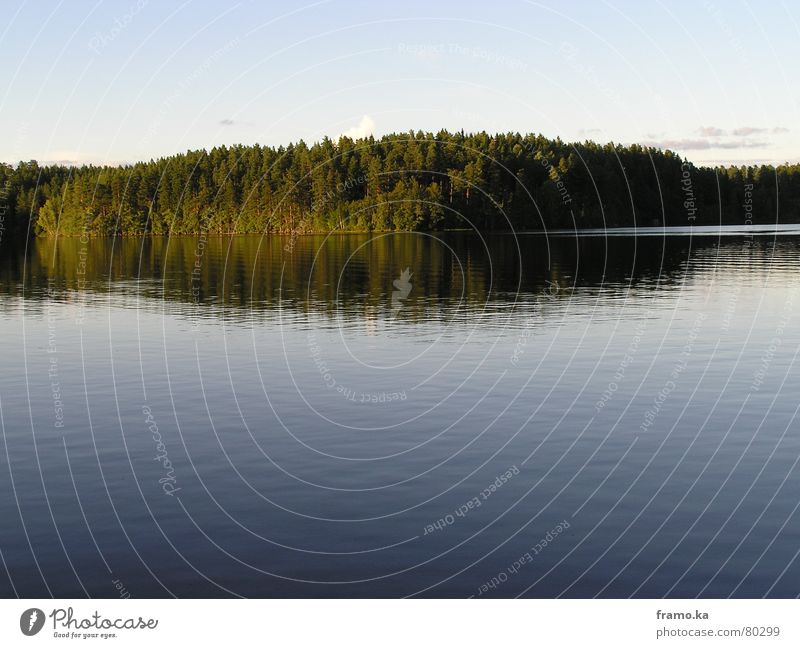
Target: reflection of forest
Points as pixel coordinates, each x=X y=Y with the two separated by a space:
x=344 y=273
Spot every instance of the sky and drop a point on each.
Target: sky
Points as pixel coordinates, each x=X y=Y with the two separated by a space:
x=120 y=81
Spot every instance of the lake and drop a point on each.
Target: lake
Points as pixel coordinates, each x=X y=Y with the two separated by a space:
x=592 y=414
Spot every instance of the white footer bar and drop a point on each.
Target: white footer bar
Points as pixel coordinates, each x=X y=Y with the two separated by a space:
x=389 y=623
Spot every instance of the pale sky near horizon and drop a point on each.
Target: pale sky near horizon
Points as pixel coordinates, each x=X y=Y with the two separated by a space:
x=120 y=81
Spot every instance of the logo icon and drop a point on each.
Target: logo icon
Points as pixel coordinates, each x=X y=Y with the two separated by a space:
x=403 y=286
x=31 y=621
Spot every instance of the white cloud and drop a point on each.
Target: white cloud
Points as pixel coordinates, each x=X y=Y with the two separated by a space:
x=704 y=144
x=744 y=131
x=365 y=128
x=711 y=131
x=76 y=158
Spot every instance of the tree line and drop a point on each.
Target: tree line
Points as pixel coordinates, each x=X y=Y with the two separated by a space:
x=405 y=181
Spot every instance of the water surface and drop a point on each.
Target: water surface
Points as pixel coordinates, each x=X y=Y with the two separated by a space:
x=531 y=415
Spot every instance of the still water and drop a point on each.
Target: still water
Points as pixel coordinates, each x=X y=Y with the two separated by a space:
x=402 y=415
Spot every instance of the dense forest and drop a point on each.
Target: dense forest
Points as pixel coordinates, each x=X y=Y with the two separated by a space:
x=407 y=181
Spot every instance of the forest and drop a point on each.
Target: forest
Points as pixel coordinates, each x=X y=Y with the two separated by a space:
x=406 y=181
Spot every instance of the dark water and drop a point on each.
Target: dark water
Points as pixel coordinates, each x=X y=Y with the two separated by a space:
x=524 y=415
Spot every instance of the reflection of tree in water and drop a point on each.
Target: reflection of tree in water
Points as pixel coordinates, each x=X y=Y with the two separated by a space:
x=349 y=275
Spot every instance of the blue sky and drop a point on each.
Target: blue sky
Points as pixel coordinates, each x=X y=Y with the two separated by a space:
x=119 y=81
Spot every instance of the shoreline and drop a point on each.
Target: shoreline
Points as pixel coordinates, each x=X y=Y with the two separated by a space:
x=648 y=230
